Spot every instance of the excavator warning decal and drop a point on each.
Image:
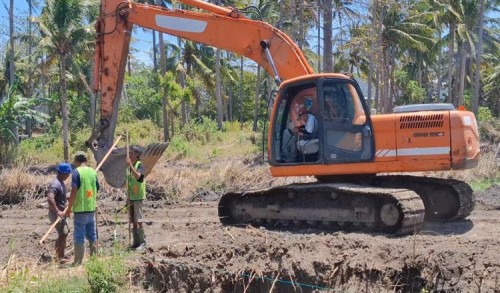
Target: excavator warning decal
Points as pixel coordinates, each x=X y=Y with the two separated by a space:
x=180 y=24
x=413 y=152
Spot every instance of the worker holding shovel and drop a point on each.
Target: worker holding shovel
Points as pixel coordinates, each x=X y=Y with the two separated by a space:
x=136 y=190
x=82 y=202
x=56 y=198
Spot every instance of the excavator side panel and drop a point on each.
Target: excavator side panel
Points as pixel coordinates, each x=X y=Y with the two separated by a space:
x=423 y=136
x=384 y=129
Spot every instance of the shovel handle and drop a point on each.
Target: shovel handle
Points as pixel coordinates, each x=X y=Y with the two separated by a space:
x=59 y=219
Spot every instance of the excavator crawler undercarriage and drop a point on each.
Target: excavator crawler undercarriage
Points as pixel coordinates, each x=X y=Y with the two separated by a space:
x=334 y=205
x=394 y=204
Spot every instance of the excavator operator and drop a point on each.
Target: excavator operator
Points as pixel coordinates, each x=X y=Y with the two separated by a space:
x=308 y=142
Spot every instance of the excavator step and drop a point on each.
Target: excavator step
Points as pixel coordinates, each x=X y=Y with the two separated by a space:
x=346 y=206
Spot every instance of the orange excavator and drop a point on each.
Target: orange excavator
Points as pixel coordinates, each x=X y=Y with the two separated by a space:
x=320 y=125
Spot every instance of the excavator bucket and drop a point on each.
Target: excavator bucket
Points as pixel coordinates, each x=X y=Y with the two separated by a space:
x=114 y=169
x=151 y=155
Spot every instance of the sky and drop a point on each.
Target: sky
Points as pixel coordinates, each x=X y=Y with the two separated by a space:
x=141 y=44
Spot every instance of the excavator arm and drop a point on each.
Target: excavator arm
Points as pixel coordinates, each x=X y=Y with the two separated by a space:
x=221 y=27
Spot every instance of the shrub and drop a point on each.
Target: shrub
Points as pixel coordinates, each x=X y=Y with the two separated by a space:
x=106 y=274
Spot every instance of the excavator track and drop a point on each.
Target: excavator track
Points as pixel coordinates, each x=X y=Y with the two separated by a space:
x=348 y=206
x=444 y=199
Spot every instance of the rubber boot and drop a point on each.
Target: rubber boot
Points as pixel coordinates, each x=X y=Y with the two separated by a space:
x=60 y=247
x=141 y=239
x=135 y=238
x=93 y=248
x=79 y=253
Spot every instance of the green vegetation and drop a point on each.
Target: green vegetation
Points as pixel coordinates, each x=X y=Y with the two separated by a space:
x=24 y=282
x=106 y=275
x=98 y=275
x=406 y=52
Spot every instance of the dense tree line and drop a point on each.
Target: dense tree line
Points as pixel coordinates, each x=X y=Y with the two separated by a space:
x=412 y=51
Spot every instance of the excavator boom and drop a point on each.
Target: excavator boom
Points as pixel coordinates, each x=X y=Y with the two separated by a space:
x=224 y=28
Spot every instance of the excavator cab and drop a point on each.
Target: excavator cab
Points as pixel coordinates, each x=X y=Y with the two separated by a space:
x=341 y=131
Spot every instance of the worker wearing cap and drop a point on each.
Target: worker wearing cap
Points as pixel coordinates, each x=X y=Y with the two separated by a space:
x=82 y=202
x=136 y=191
x=56 y=198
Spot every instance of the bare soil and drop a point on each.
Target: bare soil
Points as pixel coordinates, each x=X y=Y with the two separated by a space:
x=190 y=251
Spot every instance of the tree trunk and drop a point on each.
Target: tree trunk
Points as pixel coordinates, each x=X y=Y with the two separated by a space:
x=318 y=51
x=184 y=104
x=240 y=98
x=64 y=105
x=257 y=98
x=12 y=65
x=218 y=94
x=439 y=79
x=451 y=48
x=379 y=92
x=327 y=37
x=155 y=53
x=230 y=104
x=29 y=122
x=166 y=134
x=461 y=79
x=479 y=52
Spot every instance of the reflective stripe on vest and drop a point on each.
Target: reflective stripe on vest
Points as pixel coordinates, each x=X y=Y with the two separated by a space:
x=86 y=195
x=136 y=190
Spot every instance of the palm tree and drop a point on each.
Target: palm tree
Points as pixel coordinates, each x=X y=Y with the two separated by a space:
x=327 y=36
x=401 y=32
x=448 y=12
x=475 y=98
x=62 y=29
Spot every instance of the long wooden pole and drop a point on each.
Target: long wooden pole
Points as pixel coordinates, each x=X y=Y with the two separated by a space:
x=66 y=209
x=126 y=193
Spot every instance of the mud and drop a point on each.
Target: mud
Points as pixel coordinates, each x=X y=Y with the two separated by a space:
x=190 y=251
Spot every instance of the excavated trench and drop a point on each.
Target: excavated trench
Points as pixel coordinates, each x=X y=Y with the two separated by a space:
x=171 y=276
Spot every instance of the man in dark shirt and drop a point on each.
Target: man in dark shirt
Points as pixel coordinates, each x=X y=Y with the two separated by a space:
x=56 y=198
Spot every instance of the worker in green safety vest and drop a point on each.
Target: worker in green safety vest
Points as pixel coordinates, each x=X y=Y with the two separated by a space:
x=82 y=202
x=136 y=191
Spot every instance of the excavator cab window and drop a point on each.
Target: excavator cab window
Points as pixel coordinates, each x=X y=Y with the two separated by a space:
x=321 y=122
x=346 y=132
x=296 y=138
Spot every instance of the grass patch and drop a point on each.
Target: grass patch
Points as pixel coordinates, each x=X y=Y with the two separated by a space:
x=103 y=275
x=484 y=184
x=106 y=274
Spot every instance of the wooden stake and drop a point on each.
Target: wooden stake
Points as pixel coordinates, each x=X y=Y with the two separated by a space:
x=129 y=210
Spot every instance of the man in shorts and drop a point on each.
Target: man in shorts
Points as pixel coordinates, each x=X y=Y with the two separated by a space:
x=136 y=192
x=57 y=199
